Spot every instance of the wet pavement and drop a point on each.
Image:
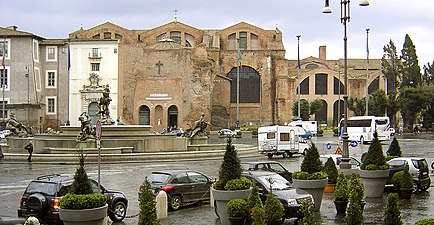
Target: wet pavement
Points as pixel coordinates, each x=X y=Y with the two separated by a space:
x=128 y=176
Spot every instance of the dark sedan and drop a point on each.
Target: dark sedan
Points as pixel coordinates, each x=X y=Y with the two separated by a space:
x=182 y=186
x=290 y=197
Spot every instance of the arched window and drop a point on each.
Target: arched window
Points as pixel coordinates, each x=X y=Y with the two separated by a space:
x=161 y=37
x=254 y=42
x=144 y=115
x=189 y=40
x=338 y=110
x=311 y=66
x=375 y=84
x=172 y=116
x=176 y=36
x=338 y=87
x=243 y=40
x=92 y=111
x=232 y=42
x=304 y=86
x=249 y=85
x=321 y=84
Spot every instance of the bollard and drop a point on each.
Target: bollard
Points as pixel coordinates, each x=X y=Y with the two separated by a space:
x=32 y=221
x=211 y=197
x=161 y=205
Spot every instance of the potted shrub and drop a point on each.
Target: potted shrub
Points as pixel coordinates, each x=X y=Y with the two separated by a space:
x=81 y=206
x=274 y=210
x=257 y=215
x=256 y=208
x=357 y=186
x=341 y=194
x=428 y=221
x=354 y=214
x=307 y=210
x=332 y=173
x=238 y=211
x=311 y=178
x=230 y=183
x=374 y=170
x=392 y=215
x=147 y=205
x=403 y=182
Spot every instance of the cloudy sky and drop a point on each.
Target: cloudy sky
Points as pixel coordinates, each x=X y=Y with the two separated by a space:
x=387 y=20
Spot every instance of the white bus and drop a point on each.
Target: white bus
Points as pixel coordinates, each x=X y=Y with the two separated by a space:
x=362 y=128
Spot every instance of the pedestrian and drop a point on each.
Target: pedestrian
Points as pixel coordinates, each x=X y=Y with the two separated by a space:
x=1 y=154
x=29 y=148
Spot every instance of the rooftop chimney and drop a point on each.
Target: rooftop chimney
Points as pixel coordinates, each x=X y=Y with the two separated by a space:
x=12 y=27
x=323 y=52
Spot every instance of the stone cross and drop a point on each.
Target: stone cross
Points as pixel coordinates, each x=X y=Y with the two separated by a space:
x=159 y=64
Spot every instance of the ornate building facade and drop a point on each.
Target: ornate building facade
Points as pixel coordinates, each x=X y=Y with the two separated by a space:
x=169 y=75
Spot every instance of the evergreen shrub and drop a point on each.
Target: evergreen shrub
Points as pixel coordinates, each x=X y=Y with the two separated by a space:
x=374 y=159
x=392 y=215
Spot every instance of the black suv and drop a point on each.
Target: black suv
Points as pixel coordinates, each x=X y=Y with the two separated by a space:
x=41 y=198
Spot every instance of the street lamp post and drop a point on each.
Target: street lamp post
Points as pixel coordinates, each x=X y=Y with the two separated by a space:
x=367 y=73
x=345 y=18
x=298 y=73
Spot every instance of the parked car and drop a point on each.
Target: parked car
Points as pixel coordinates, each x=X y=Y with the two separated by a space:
x=290 y=197
x=355 y=163
x=226 y=133
x=182 y=186
x=41 y=198
x=307 y=135
x=268 y=166
x=418 y=167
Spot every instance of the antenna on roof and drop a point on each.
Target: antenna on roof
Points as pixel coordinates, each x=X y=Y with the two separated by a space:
x=175 y=15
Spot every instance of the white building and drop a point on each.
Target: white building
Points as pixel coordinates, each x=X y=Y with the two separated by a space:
x=93 y=66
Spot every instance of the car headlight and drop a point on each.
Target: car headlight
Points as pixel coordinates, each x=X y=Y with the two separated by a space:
x=291 y=201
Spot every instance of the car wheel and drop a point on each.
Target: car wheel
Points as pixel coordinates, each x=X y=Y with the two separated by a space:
x=305 y=152
x=37 y=204
x=118 y=212
x=270 y=155
x=175 y=202
x=416 y=187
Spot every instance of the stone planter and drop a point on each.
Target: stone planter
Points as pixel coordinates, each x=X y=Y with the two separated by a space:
x=341 y=206
x=374 y=182
x=313 y=187
x=221 y=199
x=95 y=216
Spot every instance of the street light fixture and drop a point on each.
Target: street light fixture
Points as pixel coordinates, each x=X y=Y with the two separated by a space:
x=298 y=72
x=345 y=18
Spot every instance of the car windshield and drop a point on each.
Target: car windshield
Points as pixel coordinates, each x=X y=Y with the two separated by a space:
x=40 y=187
x=278 y=182
x=158 y=178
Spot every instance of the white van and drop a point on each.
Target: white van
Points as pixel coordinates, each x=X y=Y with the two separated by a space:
x=281 y=140
x=311 y=126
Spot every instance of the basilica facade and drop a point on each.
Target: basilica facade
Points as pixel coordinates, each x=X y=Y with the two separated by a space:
x=169 y=75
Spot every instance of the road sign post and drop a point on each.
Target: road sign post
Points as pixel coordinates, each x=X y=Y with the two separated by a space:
x=98 y=131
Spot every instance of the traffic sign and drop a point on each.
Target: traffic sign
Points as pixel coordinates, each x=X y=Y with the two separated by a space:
x=353 y=143
x=338 y=151
x=98 y=130
x=328 y=146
